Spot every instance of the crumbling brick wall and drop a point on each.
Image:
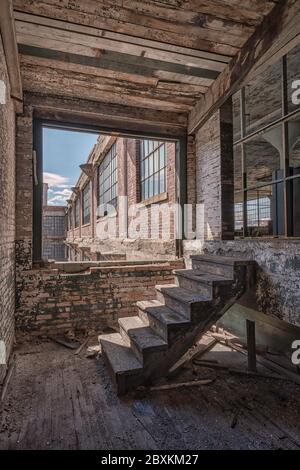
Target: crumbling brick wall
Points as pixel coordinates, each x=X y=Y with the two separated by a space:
x=50 y=302
x=7 y=212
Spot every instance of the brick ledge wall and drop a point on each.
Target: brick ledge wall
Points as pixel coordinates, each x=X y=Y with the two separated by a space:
x=51 y=302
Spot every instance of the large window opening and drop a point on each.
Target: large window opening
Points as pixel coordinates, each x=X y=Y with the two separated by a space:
x=87 y=175
x=266 y=117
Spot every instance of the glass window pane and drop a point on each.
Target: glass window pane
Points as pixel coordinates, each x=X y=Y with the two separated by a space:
x=162 y=156
x=261 y=204
x=146 y=168
x=150 y=159
x=150 y=186
x=156 y=160
x=162 y=187
x=156 y=183
x=262 y=157
x=294 y=143
x=263 y=99
x=293 y=79
x=236 y=116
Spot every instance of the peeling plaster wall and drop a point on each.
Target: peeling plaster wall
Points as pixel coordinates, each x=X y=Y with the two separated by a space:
x=7 y=212
x=278 y=274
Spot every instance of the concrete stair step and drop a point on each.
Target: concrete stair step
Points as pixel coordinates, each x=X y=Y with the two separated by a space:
x=124 y=367
x=164 y=321
x=198 y=281
x=145 y=343
x=182 y=301
x=219 y=265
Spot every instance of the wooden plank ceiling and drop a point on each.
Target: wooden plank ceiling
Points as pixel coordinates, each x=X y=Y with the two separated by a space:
x=153 y=54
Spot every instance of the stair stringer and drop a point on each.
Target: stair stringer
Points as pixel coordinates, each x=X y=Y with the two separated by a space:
x=202 y=318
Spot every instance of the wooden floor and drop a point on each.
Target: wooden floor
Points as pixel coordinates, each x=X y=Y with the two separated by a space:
x=57 y=400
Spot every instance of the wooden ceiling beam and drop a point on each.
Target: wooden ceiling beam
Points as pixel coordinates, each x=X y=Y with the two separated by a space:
x=147 y=44
x=70 y=54
x=122 y=79
x=72 y=85
x=8 y=34
x=93 y=37
x=237 y=11
x=33 y=35
x=112 y=116
x=91 y=13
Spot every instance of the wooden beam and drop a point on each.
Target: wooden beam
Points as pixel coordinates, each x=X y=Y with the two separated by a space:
x=42 y=36
x=110 y=18
x=93 y=37
x=107 y=116
x=121 y=37
x=93 y=108
x=8 y=34
x=230 y=80
x=66 y=63
x=250 y=13
x=58 y=82
x=85 y=55
x=118 y=79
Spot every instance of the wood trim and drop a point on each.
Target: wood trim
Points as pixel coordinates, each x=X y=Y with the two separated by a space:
x=8 y=33
x=285 y=13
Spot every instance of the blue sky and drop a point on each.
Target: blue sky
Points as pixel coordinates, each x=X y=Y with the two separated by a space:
x=63 y=152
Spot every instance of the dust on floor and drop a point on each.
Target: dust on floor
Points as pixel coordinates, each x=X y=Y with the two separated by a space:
x=57 y=400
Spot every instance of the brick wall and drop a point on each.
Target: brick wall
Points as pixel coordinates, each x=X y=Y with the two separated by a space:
x=24 y=192
x=214 y=174
x=52 y=302
x=7 y=212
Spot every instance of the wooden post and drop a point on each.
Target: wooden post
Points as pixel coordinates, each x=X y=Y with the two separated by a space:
x=251 y=345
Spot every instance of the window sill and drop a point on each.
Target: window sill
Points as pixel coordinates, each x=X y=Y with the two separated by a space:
x=268 y=238
x=155 y=199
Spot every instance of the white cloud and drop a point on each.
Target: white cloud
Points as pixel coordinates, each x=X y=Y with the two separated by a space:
x=59 y=189
x=57 y=200
x=55 y=180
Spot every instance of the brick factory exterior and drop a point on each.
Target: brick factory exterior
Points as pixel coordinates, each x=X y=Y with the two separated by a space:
x=129 y=176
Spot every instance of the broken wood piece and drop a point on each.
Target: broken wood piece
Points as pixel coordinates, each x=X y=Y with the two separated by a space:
x=219 y=336
x=93 y=351
x=181 y=384
x=260 y=348
x=78 y=351
x=197 y=350
x=62 y=342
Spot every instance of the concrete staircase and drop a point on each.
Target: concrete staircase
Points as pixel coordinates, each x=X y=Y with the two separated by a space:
x=165 y=328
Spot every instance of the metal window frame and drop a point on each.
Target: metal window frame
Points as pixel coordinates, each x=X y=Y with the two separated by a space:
x=110 y=156
x=143 y=158
x=283 y=121
x=86 y=204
